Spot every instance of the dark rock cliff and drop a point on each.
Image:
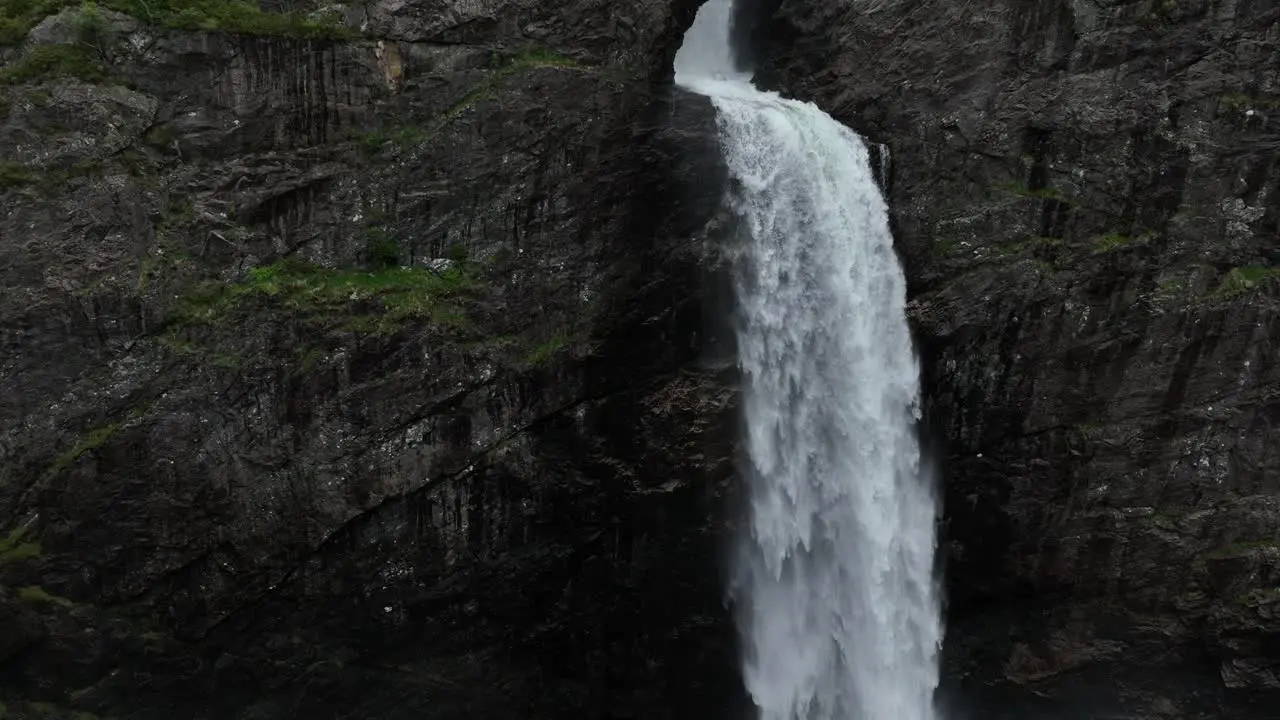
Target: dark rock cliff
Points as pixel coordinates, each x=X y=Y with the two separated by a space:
x=364 y=363
x=361 y=374
x=1086 y=195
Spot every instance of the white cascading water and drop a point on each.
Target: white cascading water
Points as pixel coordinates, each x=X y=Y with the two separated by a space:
x=833 y=583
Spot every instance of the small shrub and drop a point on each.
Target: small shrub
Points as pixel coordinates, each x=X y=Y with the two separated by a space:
x=458 y=254
x=48 y=61
x=14 y=175
x=17 y=17
x=163 y=137
x=380 y=249
x=91 y=28
x=12 y=32
x=502 y=259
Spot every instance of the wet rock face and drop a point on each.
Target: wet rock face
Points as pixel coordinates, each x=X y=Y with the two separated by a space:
x=1086 y=199
x=364 y=378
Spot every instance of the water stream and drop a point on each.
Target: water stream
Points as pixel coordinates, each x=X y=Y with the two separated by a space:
x=833 y=579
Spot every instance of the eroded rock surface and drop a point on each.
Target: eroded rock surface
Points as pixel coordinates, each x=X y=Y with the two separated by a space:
x=363 y=378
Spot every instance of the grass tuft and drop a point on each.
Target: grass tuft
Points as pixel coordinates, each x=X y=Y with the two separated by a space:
x=1113 y=241
x=36 y=595
x=15 y=547
x=380 y=298
x=88 y=442
x=543 y=352
x=1241 y=549
x=1241 y=280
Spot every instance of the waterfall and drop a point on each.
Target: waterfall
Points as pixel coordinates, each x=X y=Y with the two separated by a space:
x=833 y=580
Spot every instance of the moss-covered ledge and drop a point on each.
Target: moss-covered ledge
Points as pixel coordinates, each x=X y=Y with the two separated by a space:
x=19 y=17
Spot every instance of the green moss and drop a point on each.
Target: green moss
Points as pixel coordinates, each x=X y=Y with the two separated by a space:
x=383 y=298
x=146 y=270
x=1241 y=280
x=49 y=61
x=543 y=352
x=1172 y=284
x=949 y=247
x=373 y=142
x=1233 y=104
x=178 y=345
x=1163 y=518
x=13 y=175
x=17 y=17
x=12 y=32
x=543 y=57
x=36 y=595
x=311 y=358
x=1113 y=241
x=1259 y=596
x=1039 y=193
x=91 y=27
x=1110 y=241
x=15 y=547
x=228 y=16
x=227 y=361
x=1240 y=549
x=4 y=710
x=177 y=213
x=88 y=442
x=1238 y=105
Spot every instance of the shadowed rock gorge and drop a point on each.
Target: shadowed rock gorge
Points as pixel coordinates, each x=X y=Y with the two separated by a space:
x=370 y=361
